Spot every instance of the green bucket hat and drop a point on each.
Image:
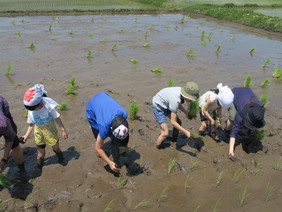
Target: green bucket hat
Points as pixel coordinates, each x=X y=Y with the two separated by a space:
x=190 y=91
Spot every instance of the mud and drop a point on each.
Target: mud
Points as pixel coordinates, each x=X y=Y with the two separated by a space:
x=83 y=182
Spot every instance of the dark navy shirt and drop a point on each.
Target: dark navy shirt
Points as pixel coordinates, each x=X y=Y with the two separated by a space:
x=242 y=97
x=100 y=112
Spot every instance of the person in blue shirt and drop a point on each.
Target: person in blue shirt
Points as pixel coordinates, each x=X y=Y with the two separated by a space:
x=108 y=119
x=246 y=111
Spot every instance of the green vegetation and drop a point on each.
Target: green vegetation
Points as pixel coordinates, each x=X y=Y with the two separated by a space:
x=243 y=196
x=72 y=81
x=157 y=70
x=147 y=44
x=171 y=165
x=163 y=195
x=248 y=81
x=265 y=83
x=217 y=204
x=277 y=73
x=25 y=114
x=187 y=183
x=19 y=33
x=269 y=191
x=266 y=62
x=8 y=70
x=114 y=46
x=252 y=51
x=133 y=61
x=63 y=106
x=121 y=182
x=71 y=90
x=142 y=203
x=261 y=134
x=170 y=82
x=196 y=209
x=50 y=28
x=237 y=175
x=5 y=201
x=190 y=53
x=194 y=162
x=108 y=207
x=218 y=47
x=4 y=180
x=133 y=110
x=89 y=54
x=90 y=34
x=31 y=46
x=193 y=109
x=264 y=99
x=29 y=199
x=219 y=179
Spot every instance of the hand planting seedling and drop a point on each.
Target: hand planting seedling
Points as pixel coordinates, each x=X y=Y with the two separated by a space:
x=8 y=70
x=277 y=73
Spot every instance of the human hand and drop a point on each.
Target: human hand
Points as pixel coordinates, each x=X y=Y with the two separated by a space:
x=114 y=166
x=188 y=134
x=22 y=140
x=64 y=135
x=231 y=154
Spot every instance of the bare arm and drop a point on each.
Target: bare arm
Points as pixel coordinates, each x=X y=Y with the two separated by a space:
x=206 y=113
x=100 y=151
x=62 y=127
x=173 y=119
x=231 y=146
x=8 y=147
x=28 y=132
x=219 y=113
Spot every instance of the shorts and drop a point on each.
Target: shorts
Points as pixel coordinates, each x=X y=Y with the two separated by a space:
x=16 y=142
x=232 y=112
x=46 y=134
x=161 y=114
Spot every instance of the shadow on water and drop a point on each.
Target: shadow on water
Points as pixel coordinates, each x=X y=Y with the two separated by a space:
x=19 y=186
x=126 y=159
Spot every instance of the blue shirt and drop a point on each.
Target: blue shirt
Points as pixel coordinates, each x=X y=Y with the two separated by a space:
x=100 y=112
x=242 y=97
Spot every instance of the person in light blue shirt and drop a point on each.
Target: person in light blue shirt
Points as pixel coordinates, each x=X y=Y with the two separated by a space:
x=107 y=119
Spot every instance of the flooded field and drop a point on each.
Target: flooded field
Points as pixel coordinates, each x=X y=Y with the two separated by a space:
x=236 y=2
x=203 y=180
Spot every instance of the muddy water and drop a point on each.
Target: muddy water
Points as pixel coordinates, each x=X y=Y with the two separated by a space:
x=82 y=183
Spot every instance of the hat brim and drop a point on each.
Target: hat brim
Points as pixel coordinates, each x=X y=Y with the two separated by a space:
x=247 y=121
x=187 y=96
x=120 y=143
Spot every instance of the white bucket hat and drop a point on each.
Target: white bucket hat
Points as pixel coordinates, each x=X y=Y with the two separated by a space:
x=225 y=95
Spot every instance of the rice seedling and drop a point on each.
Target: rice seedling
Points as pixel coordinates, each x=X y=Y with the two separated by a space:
x=50 y=28
x=19 y=33
x=25 y=114
x=264 y=99
x=151 y=26
x=72 y=81
x=157 y=70
x=100 y=26
x=71 y=90
x=121 y=30
x=89 y=54
x=133 y=110
x=126 y=149
x=8 y=70
x=204 y=43
x=193 y=109
x=269 y=191
x=5 y=201
x=31 y=46
x=248 y=81
x=167 y=26
x=232 y=38
x=182 y=20
x=277 y=73
x=163 y=195
x=243 y=196
x=114 y=46
x=90 y=34
x=237 y=175
x=258 y=168
x=135 y=19
x=209 y=36
x=4 y=180
x=175 y=28
x=147 y=44
x=146 y=34
x=29 y=199
x=121 y=182
x=187 y=183
x=196 y=209
x=170 y=82
x=266 y=62
x=138 y=38
x=71 y=32
x=108 y=207
x=54 y=39
x=265 y=83
x=63 y=106
x=194 y=162
x=203 y=35
x=133 y=61
x=141 y=203
x=279 y=164
x=171 y=165
x=218 y=47
x=190 y=53
x=217 y=204
x=252 y=51
x=219 y=178
x=103 y=40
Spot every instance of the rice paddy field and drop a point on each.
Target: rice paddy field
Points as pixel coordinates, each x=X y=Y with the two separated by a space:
x=132 y=57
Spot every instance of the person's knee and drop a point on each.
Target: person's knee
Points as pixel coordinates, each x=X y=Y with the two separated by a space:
x=164 y=134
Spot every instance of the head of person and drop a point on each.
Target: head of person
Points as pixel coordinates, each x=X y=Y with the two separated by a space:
x=190 y=92
x=225 y=95
x=253 y=116
x=120 y=131
x=33 y=97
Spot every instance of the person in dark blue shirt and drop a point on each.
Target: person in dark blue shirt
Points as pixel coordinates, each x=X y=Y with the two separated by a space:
x=107 y=119
x=246 y=111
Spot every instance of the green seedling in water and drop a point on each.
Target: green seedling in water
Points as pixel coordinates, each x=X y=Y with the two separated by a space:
x=187 y=183
x=243 y=196
x=196 y=209
x=266 y=62
x=63 y=106
x=90 y=34
x=133 y=110
x=4 y=180
x=151 y=26
x=217 y=204
x=265 y=83
x=8 y=70
x=103 y=40
x=170 y=82
x=191 y=53
x=193 y=109
x=146 y=34
x=13 y=22
x=5 y=201
x=29 y=199
x=100 y=26
x=50 y=28
x=134 y=61
x=204 y=43
x=269 y=191
x=71 y=32
x=232 y=37
x=171 y=165
x=258 y=168
x=182 y=20
x=121 y=182
x=237 y=175
x=264 y=100
x=135 y=19
x=219 y=179
x=147 y=44
x=218 y=47
x=31 y=46
x=157 y=70
x=89 y=54
x=248 y=81
x=261 y=134
x=114 y=46
x=209 y=36
x=54 y=39
x=108 y=208
x=252 y=51
x=203 y=35
x=175 y=28
x=167 y=26
x=71 y=90
x=194 y=163
x=142 y=203
x=277 y=73
x=18 y=33
x=121 y=30
x=72 y=81
x=138 y=38
x=163 y=195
